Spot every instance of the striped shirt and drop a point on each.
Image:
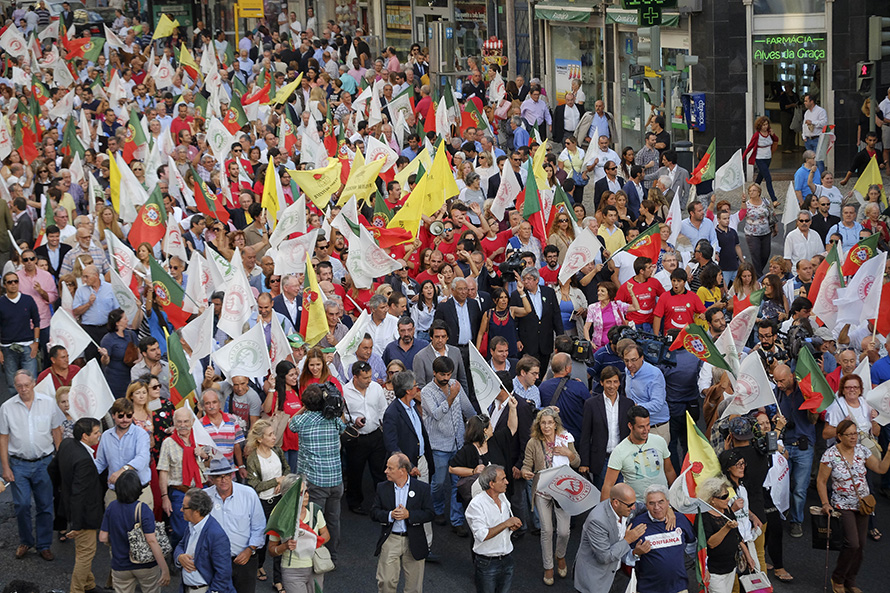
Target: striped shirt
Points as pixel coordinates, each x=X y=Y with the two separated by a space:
x=226 y=435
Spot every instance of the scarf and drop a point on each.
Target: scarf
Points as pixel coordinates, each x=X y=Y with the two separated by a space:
x=191 y=473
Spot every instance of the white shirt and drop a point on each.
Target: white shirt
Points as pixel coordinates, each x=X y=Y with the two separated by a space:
x=612 y=422
x=483 y=514
x=624 y=261
x=798 y=247
x=194 y=578
x=291 y=307
x=384 y=333
x=604 y=156
x=499 y=407
x=571 y=118
x=816 y=116
x=369 y=406
x=30 y=431
x=90 y=449
x=835 y=198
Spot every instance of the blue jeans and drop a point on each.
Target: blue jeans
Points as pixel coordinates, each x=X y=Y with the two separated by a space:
x=443 y=484
x=801 y=464
x=645 y=327
x=14 y=361
x=32 y=479
x=177 y=521
x=728 y=278
x=293 y=458
x=763 y=174
x=493 y=575
x=811 y=144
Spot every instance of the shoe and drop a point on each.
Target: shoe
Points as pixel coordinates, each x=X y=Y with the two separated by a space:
x=21 y=551
x=434 y=558
x=796 y=530
x=548 y=580
x=440 y=520
x=460 y=530
x=358 y=510
x=47 y=555
x=837 y=587
x=853 y=589
x=561 y=568
x=783 y=575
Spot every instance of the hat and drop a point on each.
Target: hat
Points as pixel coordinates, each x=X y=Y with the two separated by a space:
x=740 y=429
x=296 y=341
x=825 y=334
x=730 y=457
x=220 y=467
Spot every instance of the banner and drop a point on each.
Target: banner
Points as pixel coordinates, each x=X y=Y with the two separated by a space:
x=90 y=395
x=485 y=381
x=574 y=494
x=585 y=249
x=65 y=331
x=245 y=356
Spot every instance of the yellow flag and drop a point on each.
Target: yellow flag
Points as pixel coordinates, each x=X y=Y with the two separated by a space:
x=186 y=59
x=165 y=27
x=286 y=91
x=538 y=166
x=270 y=193
x=871 y=176
x=319 y=184
x=410 y=215
x=422 y=158
x=361 y=181
x=114 y=179
x=316 y=325
x=441 y=185
x=358 y=160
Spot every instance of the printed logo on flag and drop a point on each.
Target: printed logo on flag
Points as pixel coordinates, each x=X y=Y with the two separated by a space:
x=865 y=286
x=234 y=303
x=162 y=295
x=578 y=258
x=309 y=297
x=568 y=486
x=697 y=346
x=151 y=215
x=131 y=133
x=482 y=379
x=62 y=337
x=174 y=372
x=861 y=254
x=747 y=389
x=245 y=356
x=83 y=400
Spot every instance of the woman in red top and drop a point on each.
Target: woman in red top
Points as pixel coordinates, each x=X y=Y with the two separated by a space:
x=284 y=399
x=316 y=370
x=761 y=146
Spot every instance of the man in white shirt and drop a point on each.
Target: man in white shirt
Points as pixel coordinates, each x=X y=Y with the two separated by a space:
x=491 y=521
x=814 y=120
x=802 y=243
x=384 y=328
x=365 y=404
x=595 y=160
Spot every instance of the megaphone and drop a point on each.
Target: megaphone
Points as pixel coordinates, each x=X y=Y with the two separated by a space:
x=437 y=228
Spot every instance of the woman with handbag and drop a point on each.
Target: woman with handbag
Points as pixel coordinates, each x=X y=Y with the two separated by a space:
x=571 y=160
x=301 y=575
x=550 y=446
x=121 y=347
x=722 y=533
x=281 y=404
x=760 y=226
x=266 y=468
x=845 y=463
x=129 y=528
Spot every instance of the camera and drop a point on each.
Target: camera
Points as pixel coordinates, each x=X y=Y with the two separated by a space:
x=333 y=401
x=766 y=443
x=581 y=351
x=512 y=266
x=656 y=349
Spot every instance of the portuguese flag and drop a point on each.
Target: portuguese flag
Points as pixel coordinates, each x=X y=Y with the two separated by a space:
x=75 y=48
x=330 y=140
x=386 y=237
x=150 y=225
x=26 y=132
x=235 y=118
x=168 y=294
x=200 y=105
x=831 y=257
x=39 y=90
x=313 y=322
x=817 y=392
x=752 y=300
x=93 y=49
x=182 y=384
x=207 y=201
x=260 y=95
x=701 y=554
x=700 y=458
x=561 y=205
x=71 y=144
x=472 y=116
x=706 y=166
x=531 y=206
x=135 y=138
x=861 y=253
x=697 y=341
x=646 y=245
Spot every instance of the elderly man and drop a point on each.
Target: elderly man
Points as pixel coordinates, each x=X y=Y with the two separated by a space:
x=30 y=431
x=803 y=242
x=204 y=553
x=19 y=331
x=125 y=446
x=383 y=328
x=402 y=506
x=565 y=393
x=59 y=368
x=336 y=328
x=538 y=324
x=566 y=118
x=267 y=315
x=85 y=245
x=642 y=458
x=491 y=522
x=535 y=112
x=597 y=156
x=178 y=472
x=93 y=301
x=238 y=510
x=153 y=364
x=225 y=430
x=606 y=540
x=365 y=404
x=290 y=302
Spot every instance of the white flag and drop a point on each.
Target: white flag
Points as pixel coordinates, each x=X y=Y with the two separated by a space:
x=792 y=207
x=13 y=42
x=132 y=194
x=864 y=372
x=584 y=250
x=163 y=73
x=198 y=334
x=238 y=301
x=178 y=186
x=196 y=289
x=292 y=220
x=112 y=40
x=220 y=140
x=85 y=134
x=64 y=107
x=731 y=175
x=574 y=493
x=825 y=308
x=367 y=261
x=208 y=60
x=508 y=189
x=279 y=346
x=76 y=168
x=879 y=399
x=50 y=32
x=6 y=139
x=125 y=297
x=497 y=90
x=65 y=331
x=375 y=149
x=221 y=270
x=752 y=388
x=46 y=387
x=862 y=295
x=675 y=219
x=291 y=258
x=245 y=356
x=442 y=125
x=485 y=381
x=173 y=243
x=349 y=343
x=61 y=75
x=875 y=292
x=347 y=214
x=741 y=326
x=121 y=257
x=90 y=396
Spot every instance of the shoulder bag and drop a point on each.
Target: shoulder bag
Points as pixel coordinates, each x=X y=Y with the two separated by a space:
x=131 y=354
x=867 y=503
x=140 y=551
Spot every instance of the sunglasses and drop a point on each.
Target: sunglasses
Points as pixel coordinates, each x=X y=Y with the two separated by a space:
x=723 y=496
x=29 y=259
x=10 y=281
x=804 y=220
x=275 y=281
x=123 y=415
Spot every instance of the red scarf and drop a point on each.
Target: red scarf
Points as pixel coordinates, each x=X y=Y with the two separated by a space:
x=191 y=473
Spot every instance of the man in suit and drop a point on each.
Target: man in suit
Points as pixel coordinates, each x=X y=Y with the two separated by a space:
x=475 y=293
x=635 y=191
x=465 y=316
x=194 y=237
x=423 y=361
x=610 y=182
x=289 y=303
x=73 y=472
x=537 y=328
x=566 y=118
x=403 y=506
x=602 y=427
x=679 y=178
x=53 y=250
x=605 y=541
x=203 y=554
x=500 y=360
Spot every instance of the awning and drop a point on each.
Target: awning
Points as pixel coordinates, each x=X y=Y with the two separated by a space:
x=629 y=17
x=564 y=13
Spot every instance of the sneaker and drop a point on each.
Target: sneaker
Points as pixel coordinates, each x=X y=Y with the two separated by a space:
x=796 y=530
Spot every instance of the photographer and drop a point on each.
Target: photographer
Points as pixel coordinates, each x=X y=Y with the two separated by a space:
x=319 y=425
x=769 y=349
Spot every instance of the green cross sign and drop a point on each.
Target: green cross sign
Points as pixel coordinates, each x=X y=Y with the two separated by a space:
x=649 y=16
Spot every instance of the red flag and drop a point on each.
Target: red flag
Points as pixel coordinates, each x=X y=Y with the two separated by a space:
x=150 y=225
x=472 y=115
x=261 y=95
x=647 y=245
x=883 y=321
x=429 y=122
x=76 y=47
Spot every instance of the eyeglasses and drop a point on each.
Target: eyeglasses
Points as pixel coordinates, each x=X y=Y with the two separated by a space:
x=804 y=220
x=29 y=259
x=155 y=386
x=723 y=496
x=833 y=242
x=275 y=281
x=610 y=168
x=629 y=505
x=449 y=229
x=123 y=415
x=849 y=434
x=11 y=281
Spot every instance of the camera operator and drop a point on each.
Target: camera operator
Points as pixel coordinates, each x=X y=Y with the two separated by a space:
x=319 y=425
x=580 y=370
x=770 y=350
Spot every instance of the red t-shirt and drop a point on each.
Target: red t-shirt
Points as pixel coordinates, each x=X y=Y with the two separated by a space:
x=447 y=248
x=489 y=245
x=57 y=382
x=647 y=294
x=427 y=275
x=178 y=124
x=550 y=277
x=677 y=310
x=293 y=403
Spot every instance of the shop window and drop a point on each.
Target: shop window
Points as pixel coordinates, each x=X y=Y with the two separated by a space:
x=788 y=6
x=578 y=55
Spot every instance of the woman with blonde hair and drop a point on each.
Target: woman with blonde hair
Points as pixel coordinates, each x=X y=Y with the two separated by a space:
x=722 y=533
x=550 y=445
x=137 y=392
x=563 y=234
x=107 y=220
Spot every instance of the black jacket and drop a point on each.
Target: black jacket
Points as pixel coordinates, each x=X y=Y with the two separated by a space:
x=595 y=430
x=420 y=511
x=279 y=306
x=559 y=123
x=399 y=435
x=537 y=334
x=602 y=186
x=525 y=417
x=74 y=472
x=447 y=312
x=43 y=251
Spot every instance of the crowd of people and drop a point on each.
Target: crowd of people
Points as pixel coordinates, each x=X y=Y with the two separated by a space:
x=146 y=180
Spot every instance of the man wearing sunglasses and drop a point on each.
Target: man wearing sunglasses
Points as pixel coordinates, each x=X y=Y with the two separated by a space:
x=40 y=286
x=18 y=341
x=803 y=242
x=125 y=446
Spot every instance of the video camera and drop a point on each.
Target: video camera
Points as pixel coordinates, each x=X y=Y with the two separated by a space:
x=655 y=348
x=333 y=401
x=512 y=266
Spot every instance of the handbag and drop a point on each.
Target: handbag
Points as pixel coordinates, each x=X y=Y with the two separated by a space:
x=280 y=420
x=756 y=582
x=578 y=176
x=465 y=488
x=866 y=503
x=826 y=535
x=140 y=551
x=131 y=354
x=321 y=561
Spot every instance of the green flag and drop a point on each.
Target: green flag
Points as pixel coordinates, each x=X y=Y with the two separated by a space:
x=182 y=384
x=817 y=393
x=697 y=341
x=93 y=49
x=283 y=520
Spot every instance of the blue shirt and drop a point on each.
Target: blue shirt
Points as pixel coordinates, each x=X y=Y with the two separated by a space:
x=598 y=127
x=241 y=517
x=647 y=389
x=418 y=427
x=408 y=153
x=104 y=304
x=401 y=499
x=520 y=138
x=570 y=403
x=800 y=180
x=394 y=351
x=464 y=332
x=663 y=568
x=133 y=449
x=849 y=235
x=705 y=231
x=533 y=394
x=119 y=518
x=790 y=406
x=880 y=371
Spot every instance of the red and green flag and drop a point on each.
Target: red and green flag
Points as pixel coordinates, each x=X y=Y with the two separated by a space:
x=531 y=206
x=200 y=105
x=706 y=166
x=150 y=225
x=752 y=300
x=135 y=139
x=429 y=120
x=330 y=140
x=701 y=554
x=384 y=236
x=76 y=48
x=93 y=49
x=235 y=118
x=71 y=144
x=182 y=384
x=283 y=520
x=238 y=87
x=832 y=257
x=861 y=253
x=39 y=90
x=260 y=95
x=697 y=341
x=168 y=295
x=561 y=205
x=817 y=393
x=472 y=116
x=208 y=202
x=27 y=134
